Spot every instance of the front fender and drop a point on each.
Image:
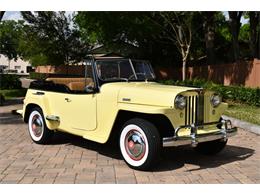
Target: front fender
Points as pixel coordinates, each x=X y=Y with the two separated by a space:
x=144 y=108
x=171 y=113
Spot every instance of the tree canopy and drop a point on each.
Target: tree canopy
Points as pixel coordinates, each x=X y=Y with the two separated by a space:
x=165 y=38
x=9 y=38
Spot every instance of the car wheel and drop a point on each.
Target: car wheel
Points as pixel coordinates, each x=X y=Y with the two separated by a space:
x=211 y=148
x=140 y=144
x=38 y=130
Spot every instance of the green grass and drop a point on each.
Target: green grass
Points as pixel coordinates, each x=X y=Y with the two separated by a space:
x=11 y=93
x=244 y=112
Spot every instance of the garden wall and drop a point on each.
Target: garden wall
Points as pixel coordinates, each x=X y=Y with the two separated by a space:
x=63 y=70
x=245 y=73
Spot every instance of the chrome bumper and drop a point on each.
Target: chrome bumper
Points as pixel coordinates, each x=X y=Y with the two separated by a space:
x=224 y=133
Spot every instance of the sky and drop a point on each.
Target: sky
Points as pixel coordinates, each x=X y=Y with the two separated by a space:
x=15 y=15
x=12 y=15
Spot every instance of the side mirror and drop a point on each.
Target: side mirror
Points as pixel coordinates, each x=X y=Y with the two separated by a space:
x=89 y=89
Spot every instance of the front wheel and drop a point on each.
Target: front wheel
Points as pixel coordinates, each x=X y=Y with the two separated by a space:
x=211 y=147
x=38 y=130
x=140 y=144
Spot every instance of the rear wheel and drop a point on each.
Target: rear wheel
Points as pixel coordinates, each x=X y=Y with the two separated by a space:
x=140 y=144
x=211 y=148
x=38 y=130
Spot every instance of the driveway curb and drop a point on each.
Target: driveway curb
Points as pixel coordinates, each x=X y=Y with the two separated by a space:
x=244 y=125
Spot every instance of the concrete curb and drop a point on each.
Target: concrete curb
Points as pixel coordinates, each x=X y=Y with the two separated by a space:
x=244 y=125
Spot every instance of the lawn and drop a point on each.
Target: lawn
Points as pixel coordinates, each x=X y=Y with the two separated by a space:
x=244 y=112
x=11 y=93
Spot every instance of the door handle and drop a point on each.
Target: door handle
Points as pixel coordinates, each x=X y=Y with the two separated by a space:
x=67 y=99
x=39 y=93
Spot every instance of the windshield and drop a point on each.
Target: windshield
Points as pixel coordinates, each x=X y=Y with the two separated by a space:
x=124 y=69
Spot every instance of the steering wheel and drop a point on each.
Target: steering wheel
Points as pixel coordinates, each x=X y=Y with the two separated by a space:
x=138 y=73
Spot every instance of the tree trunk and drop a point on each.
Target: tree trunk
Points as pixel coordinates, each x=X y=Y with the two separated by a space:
x=1 y=15
x=209 y=36
x=184 y=61
x=235 y=25
x=258 y=49
x=253 y=20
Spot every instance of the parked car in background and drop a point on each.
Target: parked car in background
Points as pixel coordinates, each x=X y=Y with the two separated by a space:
x=119 y=98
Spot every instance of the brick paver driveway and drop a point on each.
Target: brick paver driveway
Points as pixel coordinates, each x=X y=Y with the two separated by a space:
x=70 y=159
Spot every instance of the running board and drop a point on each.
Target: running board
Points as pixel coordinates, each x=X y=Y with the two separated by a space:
x=52 y=118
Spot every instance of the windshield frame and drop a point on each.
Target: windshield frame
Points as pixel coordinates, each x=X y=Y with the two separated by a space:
x=102 y=81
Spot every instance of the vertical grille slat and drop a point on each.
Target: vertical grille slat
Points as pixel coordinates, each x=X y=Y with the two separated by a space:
x=191 y=110
x=186 y=108
x=196 y=108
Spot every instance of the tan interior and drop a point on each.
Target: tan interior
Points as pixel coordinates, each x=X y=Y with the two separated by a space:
x=77 y=84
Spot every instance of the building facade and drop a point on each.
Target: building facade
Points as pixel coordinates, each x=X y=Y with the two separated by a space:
x=11 y=66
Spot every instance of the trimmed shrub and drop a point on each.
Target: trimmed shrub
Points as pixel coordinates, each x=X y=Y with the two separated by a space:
x=239 y=94
x=43 y=76
x=2 y=99
x=10 y=81
x=38 y=76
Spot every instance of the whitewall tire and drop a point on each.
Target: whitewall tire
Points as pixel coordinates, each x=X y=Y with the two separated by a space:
x=38 y=130
x=140 y=144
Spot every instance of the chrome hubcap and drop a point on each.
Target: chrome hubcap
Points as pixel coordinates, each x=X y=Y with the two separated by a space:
x=37 y=126
x=135 y=145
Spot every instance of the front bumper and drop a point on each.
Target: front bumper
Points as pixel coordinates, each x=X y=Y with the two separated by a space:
x=194 y=138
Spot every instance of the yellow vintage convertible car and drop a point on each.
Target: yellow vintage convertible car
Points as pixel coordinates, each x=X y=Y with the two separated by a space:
x=119 y=98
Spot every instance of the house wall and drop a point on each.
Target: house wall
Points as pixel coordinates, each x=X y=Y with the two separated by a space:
x=19 y=65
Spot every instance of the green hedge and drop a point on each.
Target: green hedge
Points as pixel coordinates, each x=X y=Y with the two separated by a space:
x=38 y=76
x=42 y=76
x=239 y=94
x=2 y=99
x=10 y=93
x=10 y=81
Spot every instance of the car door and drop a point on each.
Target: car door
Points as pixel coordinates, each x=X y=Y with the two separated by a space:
x=76 y=106
x=79 y=111
x=75 y=111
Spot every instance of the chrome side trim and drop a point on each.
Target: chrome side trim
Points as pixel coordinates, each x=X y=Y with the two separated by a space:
x=52 y=118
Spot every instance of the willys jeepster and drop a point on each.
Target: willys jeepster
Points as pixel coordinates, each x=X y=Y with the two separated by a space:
x=119 y=98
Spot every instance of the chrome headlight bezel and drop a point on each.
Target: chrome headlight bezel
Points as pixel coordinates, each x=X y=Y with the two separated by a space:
x=215 y=100
x=180 y=102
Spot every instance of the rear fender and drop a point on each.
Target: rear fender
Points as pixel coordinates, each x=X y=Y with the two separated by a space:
x=33 y=100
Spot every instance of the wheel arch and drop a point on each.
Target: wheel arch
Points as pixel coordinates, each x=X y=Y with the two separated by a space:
x=161 y=122
x=28 y=109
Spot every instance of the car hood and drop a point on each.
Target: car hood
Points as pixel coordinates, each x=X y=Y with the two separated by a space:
x=148 y=93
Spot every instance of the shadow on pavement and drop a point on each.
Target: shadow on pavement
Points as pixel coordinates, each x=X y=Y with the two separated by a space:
x=13 y=101
x=107 y=149
x=172 y=158
x=10 y=118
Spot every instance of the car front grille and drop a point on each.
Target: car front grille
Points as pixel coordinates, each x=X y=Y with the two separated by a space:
x=194 y=111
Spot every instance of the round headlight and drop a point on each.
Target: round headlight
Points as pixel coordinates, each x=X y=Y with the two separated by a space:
x=180 y=102
x=215 y=100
